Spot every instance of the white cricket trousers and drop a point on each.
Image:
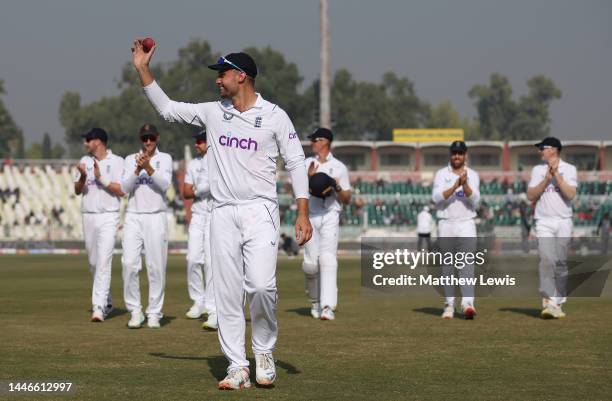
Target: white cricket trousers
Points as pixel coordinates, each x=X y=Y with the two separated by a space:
x=198 y=262
x=99 y=231
x=554 y=235
x=458 y=236
x=320 y=260
x=148 y=231
x=244 y=247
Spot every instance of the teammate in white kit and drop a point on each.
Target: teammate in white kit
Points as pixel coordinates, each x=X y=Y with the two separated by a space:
x=456 y=193
x=196 y=187
x=246 y=134
x=553 y=186
x=147 y=175
x=320 y=253
x=98 y=180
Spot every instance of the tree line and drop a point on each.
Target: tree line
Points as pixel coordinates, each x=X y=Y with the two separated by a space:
x=360 y=110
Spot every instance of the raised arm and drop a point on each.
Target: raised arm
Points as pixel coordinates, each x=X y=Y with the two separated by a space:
x=170 y=110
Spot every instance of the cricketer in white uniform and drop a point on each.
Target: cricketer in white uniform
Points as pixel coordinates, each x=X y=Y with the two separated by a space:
x=196 y=187
x=98 y=180
x=246 y=134
x=424 y=224
x=456 y=193
x=320 y=253
x=147 y=175
x=553 y=186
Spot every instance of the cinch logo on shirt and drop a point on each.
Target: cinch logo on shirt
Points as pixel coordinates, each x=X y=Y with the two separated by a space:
x=460 y=194
x=144 y=180
x=552 y=188
x=235 y=142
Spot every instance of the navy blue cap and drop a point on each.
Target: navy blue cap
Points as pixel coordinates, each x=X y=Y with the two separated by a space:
x=322 y=133
x=200 y=135
x=549 y=141
x=96 y=133
x=236 y=61
x=458 y=146
x=148 y=129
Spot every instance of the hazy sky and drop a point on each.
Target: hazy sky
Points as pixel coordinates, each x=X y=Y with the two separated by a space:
x=444 y=47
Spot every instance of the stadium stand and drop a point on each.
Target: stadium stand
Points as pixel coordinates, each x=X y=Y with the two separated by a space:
x=37 y=201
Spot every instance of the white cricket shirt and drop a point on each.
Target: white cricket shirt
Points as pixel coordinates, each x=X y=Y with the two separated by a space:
x=243 y=146
x=197 y=175
x=147 y=194
x=457 y=207
x=335 y=169
x=424 y=220
x=96 y=198
x=551 y=202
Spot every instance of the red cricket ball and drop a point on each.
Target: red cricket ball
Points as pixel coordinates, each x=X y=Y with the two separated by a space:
x=147 y=44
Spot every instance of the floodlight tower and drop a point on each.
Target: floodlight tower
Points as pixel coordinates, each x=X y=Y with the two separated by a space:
x=324 y=82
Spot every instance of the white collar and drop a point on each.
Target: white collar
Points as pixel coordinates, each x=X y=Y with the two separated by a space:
x=228 y=105
x=330 y=157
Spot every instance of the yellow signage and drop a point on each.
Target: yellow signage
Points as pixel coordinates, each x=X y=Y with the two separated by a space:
x=427 y=135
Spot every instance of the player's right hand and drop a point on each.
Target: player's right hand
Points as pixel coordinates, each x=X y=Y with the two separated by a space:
x=139 y=57
x=81 y=168
x=312 y=169
x=303 y=229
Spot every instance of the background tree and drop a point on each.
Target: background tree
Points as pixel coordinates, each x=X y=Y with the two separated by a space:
x=11 y=136
x=46 y=152
x=502 y=118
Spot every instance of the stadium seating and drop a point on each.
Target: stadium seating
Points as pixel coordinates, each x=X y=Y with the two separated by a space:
x=37 y=202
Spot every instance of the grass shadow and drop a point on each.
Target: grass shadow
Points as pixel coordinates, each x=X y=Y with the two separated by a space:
x=430 y=311
x=531 y=312
x=166 y=320
x=116 y=312
x=300 y=311
x=218 y=364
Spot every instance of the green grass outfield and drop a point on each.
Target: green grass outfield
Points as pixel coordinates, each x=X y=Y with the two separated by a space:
x=379 y=347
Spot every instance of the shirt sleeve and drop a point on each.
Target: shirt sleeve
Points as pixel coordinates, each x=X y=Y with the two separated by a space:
x=292 y=153
x=117 y=172
x=128 y=178
x=171 y=110
x=475 y=186
x=345 y=182
x=536 y=177
x=189 y=177
x=436 y=193
x=572 y=177
x=162 y=177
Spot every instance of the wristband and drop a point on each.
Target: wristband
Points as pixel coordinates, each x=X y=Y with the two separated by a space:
x=105 y=181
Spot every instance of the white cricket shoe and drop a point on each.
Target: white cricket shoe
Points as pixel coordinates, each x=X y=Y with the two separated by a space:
x=236 y=379
x=98 y=314
x=469 y=312
x=265 y=371
x=552 y=311
x=153 y=322
x=211 y=322
x=136 y=320
x=327 y=314
x=315 y=310
x=195 y=312
x=449 y=312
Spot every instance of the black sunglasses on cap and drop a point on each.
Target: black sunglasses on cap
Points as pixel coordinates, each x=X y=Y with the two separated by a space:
x=148 y=138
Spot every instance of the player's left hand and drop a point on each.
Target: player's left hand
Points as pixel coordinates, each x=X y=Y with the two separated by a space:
x=303 y=229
